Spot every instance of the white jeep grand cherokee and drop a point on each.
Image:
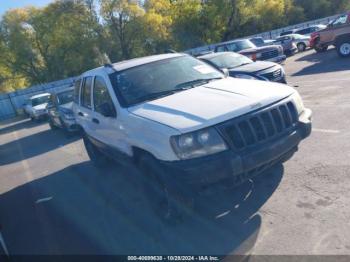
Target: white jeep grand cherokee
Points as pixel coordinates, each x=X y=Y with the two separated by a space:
x=186 y=125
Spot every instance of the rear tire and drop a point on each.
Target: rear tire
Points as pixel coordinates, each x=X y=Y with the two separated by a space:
x=301 y=47
x=343 y=48
x=96 y=156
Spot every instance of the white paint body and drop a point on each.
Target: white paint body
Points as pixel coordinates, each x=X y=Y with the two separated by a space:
x=150 y=125
x=35 y=111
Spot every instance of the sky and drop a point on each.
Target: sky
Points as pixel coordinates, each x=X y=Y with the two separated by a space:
x=8 y=4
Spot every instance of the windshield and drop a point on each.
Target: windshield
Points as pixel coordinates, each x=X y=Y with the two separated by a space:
x=229 y=60
x=154 y=80
x=65 y=97
x=40 y=100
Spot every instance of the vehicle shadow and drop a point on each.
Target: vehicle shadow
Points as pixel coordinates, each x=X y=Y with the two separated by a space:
x=32 y=145
x=322 y=63
x=17 y=124
x=82 y=210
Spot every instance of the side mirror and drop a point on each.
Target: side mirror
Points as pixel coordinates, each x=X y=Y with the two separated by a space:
x=106 y=110
x=225 y=72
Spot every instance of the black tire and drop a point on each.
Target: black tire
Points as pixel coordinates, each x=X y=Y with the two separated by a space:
x=65 y=130
x=96 y=156
x=343 y=47
x=319 y=48
x=160 y=197
x=301 y=47
x=52 y=126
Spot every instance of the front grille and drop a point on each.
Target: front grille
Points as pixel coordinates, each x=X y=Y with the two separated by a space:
x=269 y=54
x=273 y=75
x=260 y=126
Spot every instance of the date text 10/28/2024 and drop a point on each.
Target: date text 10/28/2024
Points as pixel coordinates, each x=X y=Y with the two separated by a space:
x=173 y=258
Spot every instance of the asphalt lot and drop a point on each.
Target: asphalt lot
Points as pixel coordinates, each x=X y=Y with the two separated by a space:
x=53 y=201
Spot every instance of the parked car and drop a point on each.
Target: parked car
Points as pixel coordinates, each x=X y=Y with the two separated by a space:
x=273 y=53
x=240 y=66
x=288 y=32
x=289 y=47
x=186 y=125
x=60 y=111
x=337 y=33
x=35 y=106
x=309 y=30
x=259 y=41
x=302 y=42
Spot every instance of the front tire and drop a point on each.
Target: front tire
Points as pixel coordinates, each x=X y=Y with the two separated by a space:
x=319 y=48
x=96 y=156
x=343 y=48
x=301 y=47
x=52 y=126
x=160 y=197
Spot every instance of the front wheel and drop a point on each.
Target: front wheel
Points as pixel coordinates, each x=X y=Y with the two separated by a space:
x=160 y=197
x=343 y=48
x=95 y=155
x=319 y=48
x=52 y=126
x=301 y=47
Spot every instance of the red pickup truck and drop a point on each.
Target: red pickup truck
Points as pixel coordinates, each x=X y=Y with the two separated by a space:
x=337 y=33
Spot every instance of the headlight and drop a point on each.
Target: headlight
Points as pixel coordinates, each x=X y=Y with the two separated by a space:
x=255 y=56
x=298 y=103
x=67 y=113
x=200 y=143
x=244 y=76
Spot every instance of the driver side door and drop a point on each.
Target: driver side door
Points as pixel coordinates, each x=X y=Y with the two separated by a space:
x=109 y=135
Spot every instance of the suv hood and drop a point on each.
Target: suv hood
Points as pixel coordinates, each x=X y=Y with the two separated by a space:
x=253 y=67
x=258 y=49
x=211 y=103
x=68 y=106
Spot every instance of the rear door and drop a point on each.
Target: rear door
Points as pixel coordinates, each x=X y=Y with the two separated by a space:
x=84 y=110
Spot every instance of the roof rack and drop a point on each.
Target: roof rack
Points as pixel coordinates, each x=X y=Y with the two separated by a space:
x=110 y=66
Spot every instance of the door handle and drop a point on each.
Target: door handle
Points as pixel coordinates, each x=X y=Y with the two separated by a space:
x=80 y=114
x=95 y=120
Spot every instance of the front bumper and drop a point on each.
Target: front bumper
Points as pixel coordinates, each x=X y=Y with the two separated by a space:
x=70 y=124
x=232 y=168
x=278 y=59
x=40 y=115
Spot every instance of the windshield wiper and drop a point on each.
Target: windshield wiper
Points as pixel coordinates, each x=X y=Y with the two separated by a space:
x=178 y=88
x=194 y=83
x=154 y=96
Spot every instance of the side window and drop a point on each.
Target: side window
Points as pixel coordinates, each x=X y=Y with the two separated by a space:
x=220 y=48
x=232 y=47
x=52 y=101
x=86 y=92
x=102 y=97
x=77 y=90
